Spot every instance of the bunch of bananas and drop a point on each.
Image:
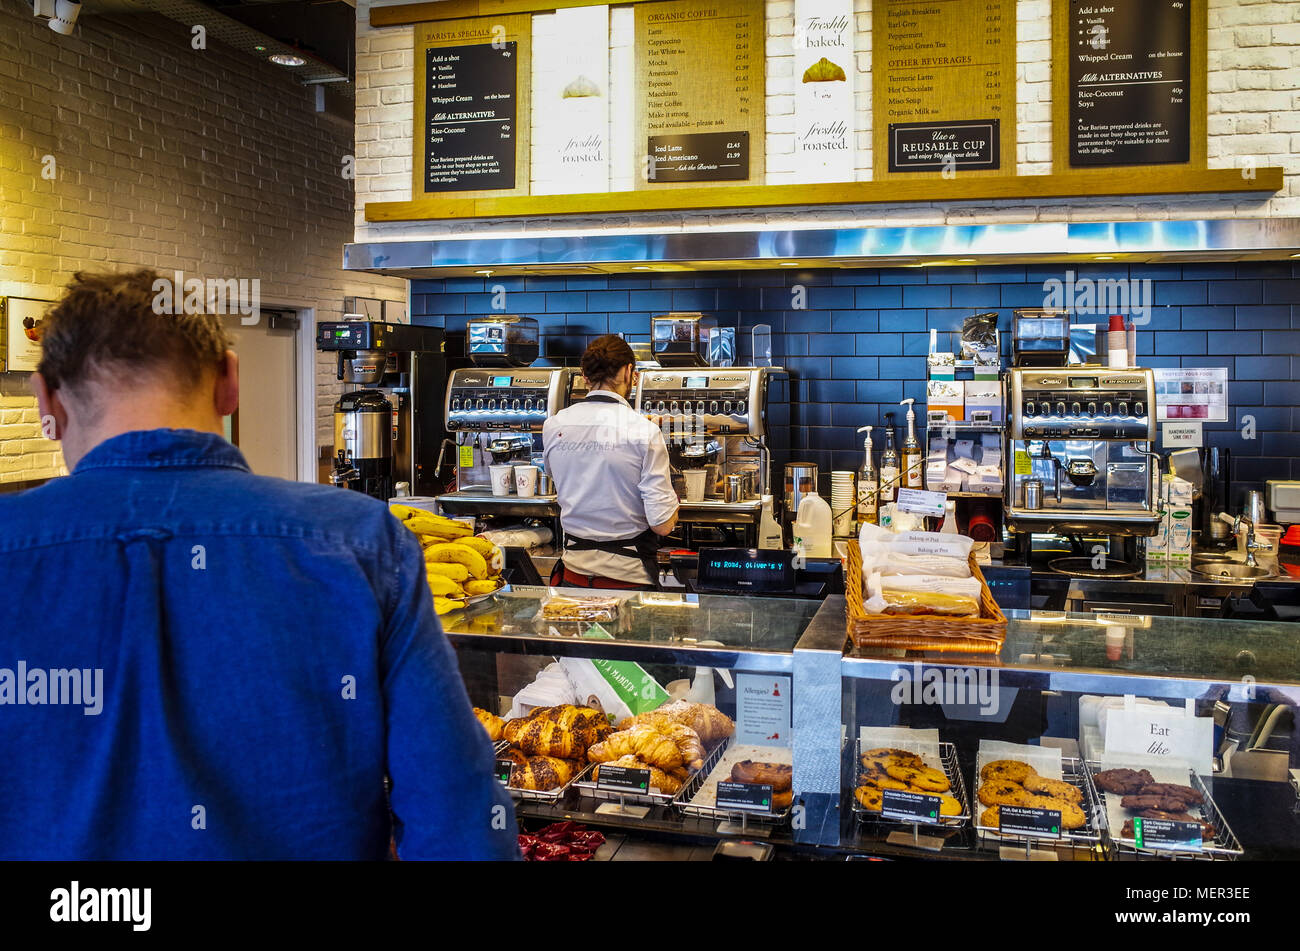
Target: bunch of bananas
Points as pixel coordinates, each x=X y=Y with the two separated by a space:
x=458 y=563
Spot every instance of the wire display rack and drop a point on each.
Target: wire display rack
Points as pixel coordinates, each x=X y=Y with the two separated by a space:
x=1223 y=847
x=731 y=820
x=1085 y=842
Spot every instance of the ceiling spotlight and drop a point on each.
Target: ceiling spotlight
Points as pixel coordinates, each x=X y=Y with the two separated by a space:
x=789 y=264
x=287 y=59
x=1103 y=257
x=640 y=267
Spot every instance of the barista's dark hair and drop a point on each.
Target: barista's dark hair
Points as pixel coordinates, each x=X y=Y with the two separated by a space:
x=107 y=326
x=604 y=358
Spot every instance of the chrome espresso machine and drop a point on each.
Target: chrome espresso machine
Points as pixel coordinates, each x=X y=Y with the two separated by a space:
x=733 y=422
x=1082 y=464
x=494 y=411
x=384 y=433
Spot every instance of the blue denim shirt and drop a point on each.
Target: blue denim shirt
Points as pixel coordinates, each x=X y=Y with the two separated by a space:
x=266 y=651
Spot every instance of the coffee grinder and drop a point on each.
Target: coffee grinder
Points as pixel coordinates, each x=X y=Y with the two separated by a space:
x=389 y=431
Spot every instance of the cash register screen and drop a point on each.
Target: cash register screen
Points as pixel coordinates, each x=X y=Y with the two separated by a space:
x=745 y=569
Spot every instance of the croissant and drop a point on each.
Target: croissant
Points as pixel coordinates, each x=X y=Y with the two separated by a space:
x=687 y=740
x=708 y=722
x=824 y=71
x=491 y=722
x=542 y=773
x=659 y=779
x=540 y=737
x=643 y=741
x=570 y=716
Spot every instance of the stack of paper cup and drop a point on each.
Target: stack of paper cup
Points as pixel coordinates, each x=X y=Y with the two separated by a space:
x=842 y=503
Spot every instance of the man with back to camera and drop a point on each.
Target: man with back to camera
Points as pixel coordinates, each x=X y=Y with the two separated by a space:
x=218 y=665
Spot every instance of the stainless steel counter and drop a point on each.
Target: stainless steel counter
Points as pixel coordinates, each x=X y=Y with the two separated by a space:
x=479 y=500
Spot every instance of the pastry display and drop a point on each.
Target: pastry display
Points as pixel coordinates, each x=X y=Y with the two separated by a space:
x=1012 y=782
x=1140 y=793
x=458 y=564
x=824 y=71
x=779 y=776
x=549 y=746
x=602 y=610
x=539 y=773
x=889 y=768
x=492 y=723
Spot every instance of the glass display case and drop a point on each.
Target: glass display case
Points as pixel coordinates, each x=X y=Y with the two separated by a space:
x=1222 y=692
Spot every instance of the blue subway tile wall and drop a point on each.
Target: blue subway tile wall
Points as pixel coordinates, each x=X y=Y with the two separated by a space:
x=855 y=340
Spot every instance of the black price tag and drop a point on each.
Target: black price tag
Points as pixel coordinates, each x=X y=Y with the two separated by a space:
x=1027 y=820
x=909 y=806
x=1168 y=835
x=623 y=779
x=750 y=797
x=504 y=766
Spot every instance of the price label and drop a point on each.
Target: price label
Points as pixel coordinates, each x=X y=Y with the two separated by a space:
x=623 y=779
x=750 y=797
x=909 y=806
x=504 y=766
x=1026 y=820
x=1168 y=835
x=920 y=502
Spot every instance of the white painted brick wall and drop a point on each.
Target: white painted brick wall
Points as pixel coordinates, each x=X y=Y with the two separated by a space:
x=1253 y=116
x=168 y=157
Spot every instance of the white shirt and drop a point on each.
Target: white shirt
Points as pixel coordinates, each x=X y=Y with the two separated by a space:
x=609 y=466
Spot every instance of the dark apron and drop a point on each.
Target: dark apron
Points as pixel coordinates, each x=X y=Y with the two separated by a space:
x=644 y=546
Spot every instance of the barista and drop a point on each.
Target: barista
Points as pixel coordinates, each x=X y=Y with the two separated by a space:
x=609 y=466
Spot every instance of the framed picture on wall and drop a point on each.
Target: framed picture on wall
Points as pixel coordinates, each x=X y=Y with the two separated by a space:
x=22 y=332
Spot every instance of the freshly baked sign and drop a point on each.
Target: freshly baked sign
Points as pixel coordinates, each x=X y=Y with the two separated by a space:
x=943 y=86
x=700 y=92
x=825 y=68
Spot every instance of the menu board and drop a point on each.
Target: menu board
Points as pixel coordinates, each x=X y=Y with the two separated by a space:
x=943 y=87
x=1130 y=82
x=700 y=92
x=472 y=106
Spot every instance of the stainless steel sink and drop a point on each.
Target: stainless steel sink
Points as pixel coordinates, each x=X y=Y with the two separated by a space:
x=1230 y=571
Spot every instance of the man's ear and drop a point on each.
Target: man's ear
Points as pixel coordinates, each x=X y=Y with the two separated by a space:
x=54 y=415
x=227 y=394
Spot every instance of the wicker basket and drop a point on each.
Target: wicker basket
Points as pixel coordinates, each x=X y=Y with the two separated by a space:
x=922 y=632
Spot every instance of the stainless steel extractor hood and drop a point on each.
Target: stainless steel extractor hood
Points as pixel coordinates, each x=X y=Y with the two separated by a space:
x=1124 y=242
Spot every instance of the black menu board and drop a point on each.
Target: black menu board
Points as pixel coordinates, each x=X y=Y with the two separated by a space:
x=469 y=117
x=1130 y=65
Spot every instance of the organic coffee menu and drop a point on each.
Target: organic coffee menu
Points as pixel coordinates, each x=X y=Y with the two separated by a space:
x=1130 y=78
x=700 y=92
x=943 y=86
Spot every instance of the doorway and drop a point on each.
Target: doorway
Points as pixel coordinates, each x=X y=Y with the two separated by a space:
x=267 y=426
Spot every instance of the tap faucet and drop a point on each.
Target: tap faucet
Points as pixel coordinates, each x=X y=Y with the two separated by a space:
x=1252 y=546
x=1046 y=453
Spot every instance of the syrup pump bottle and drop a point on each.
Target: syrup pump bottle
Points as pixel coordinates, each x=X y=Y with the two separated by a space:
x=912 y=471
x=868 y=484
x=889 y=463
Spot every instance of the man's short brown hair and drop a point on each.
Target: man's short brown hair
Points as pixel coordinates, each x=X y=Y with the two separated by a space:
x=107 y=325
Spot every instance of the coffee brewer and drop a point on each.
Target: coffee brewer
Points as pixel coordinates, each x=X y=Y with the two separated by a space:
x=389 y=431
x=1080 y=458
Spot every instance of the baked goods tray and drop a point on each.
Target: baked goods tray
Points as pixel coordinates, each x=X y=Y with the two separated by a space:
x=1224 y=846
x=540 y=795
x=1075 y=772
x=720 y=763
x=948 y=761
x=586 y=781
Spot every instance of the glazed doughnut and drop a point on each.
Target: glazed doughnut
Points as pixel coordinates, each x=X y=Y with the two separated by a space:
x=926 y=778
x=1053 y=787
x=1001 y=792
x=1008 y=769
x=777 y=775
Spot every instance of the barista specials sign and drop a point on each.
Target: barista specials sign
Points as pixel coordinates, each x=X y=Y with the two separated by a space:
x=1130 y=82
x=943 y=85
x=471 y=106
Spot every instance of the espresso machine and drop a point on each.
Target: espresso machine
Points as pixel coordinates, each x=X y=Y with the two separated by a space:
x=389 y=431
x=1081 y=463
x=732 y=422
x=494 y=410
